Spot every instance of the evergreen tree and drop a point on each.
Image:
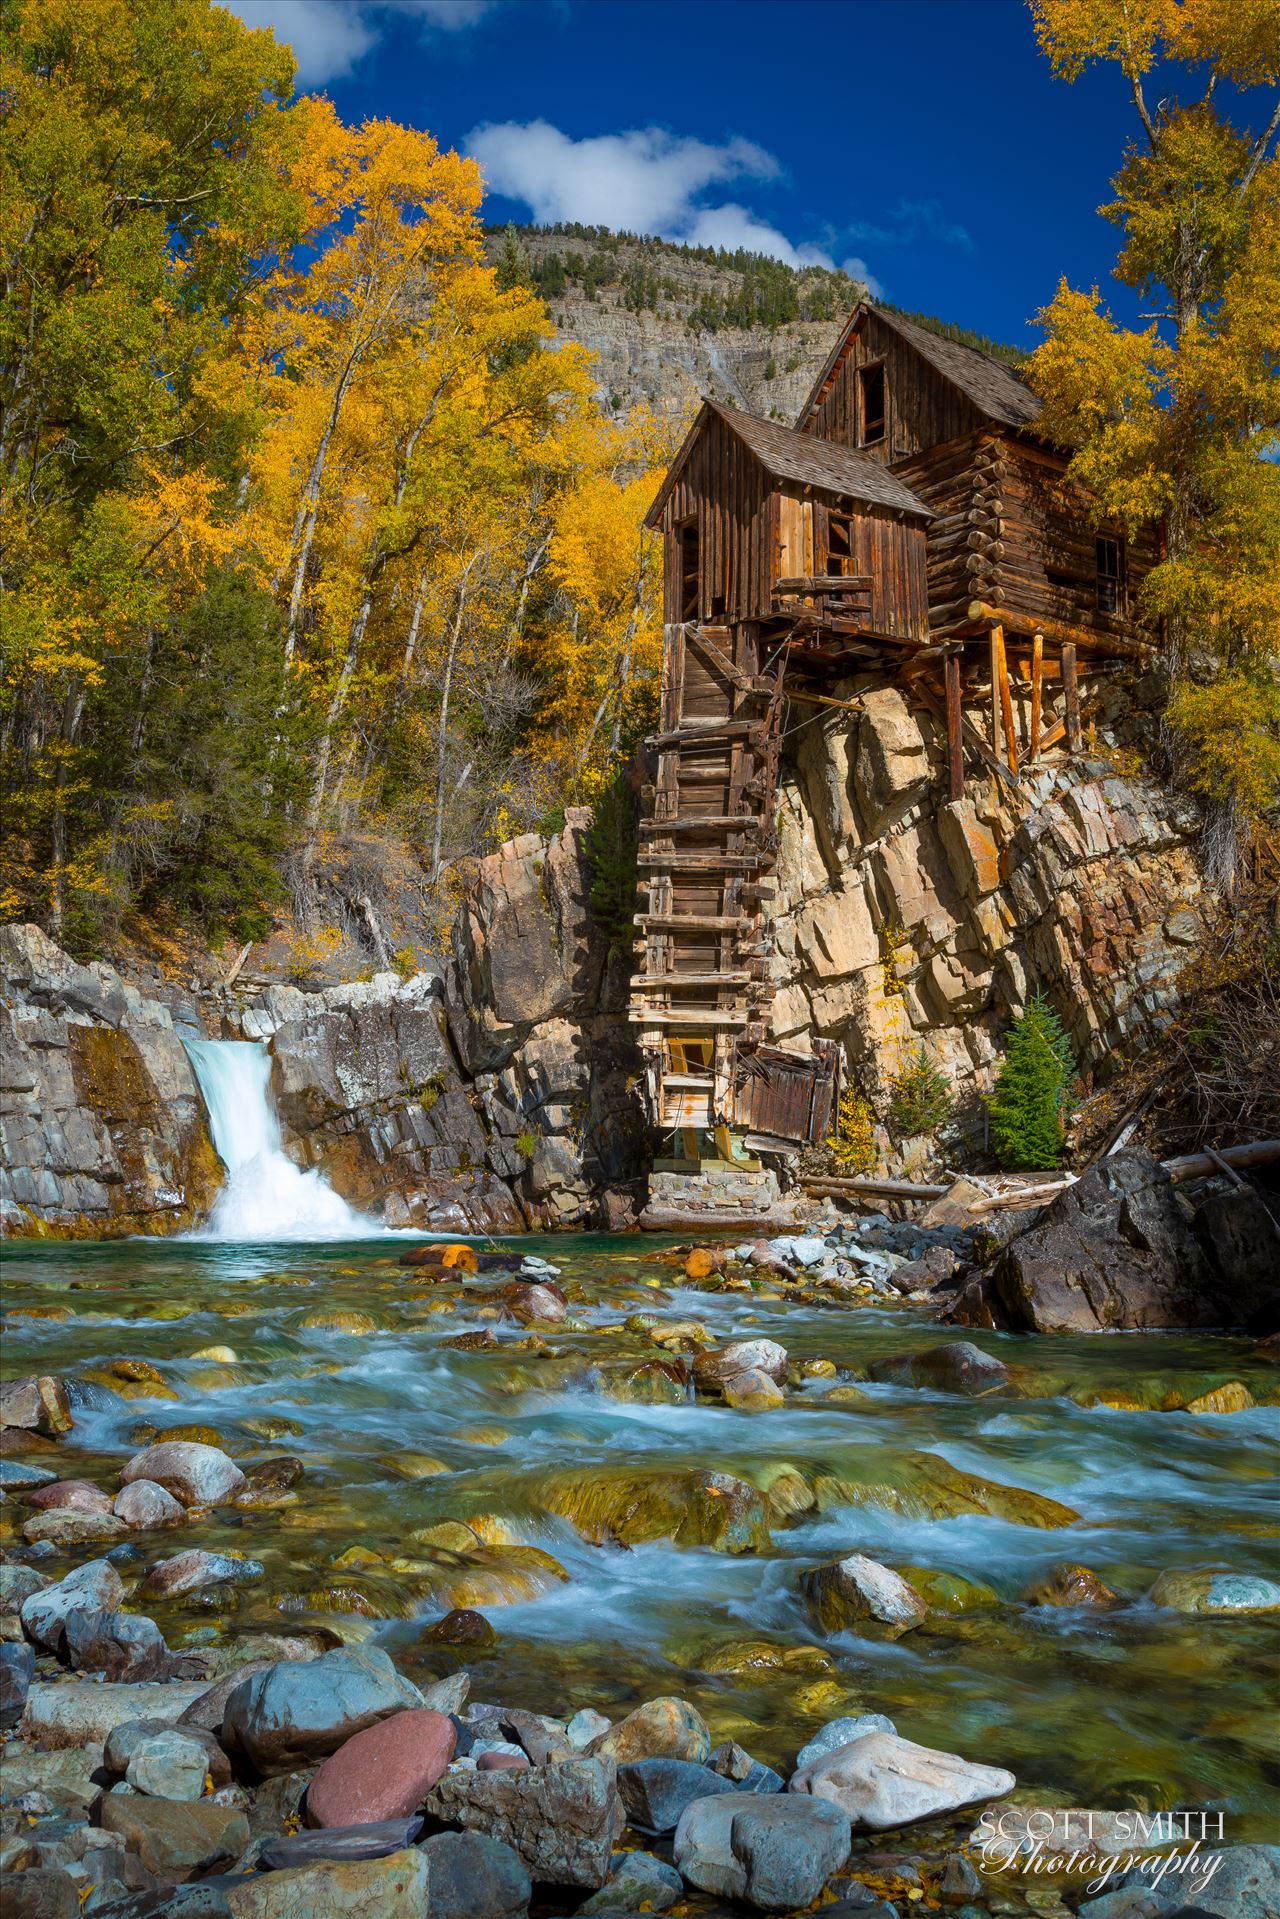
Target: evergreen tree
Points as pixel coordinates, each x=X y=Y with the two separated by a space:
x=1029 y=1104
x=611 y=861
x=921 y=1094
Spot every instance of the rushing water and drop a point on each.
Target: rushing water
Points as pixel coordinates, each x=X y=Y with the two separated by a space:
x=1138 y=1706
x=266 y=1197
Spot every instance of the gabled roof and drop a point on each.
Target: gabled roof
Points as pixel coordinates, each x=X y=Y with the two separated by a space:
x=987 y=383
x=786 y=454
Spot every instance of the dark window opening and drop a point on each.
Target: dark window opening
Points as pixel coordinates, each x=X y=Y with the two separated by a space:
x=1110 y=575
x=871 y=404
x=839 y=544
x=687 y=552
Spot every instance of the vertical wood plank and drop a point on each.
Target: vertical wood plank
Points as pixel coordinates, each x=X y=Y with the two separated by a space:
x=996 y=637
x=1037 y=675
x=955 y=742
x=1006 y=701
x=1071 y=696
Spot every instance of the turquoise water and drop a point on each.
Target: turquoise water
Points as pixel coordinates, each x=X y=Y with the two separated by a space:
x=1133 y=1706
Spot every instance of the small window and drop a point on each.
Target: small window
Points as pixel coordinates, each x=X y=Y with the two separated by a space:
x=1110 y=575
x=839 y=544
x=871 y=404
x=689 y=570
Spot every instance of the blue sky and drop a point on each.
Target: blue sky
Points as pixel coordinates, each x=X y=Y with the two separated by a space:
x=922 y=143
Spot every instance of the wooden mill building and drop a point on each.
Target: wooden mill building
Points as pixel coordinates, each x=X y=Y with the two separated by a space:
x=913 y=524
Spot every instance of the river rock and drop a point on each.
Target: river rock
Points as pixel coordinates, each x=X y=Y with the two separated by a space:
x=68 y=1529
x=1245 y=1885
x=731 y=1761
x=763 y=1850
x=640 y=1882
x=78 y=1495
x=693 y=1507
x=585 y=1726
x=84 y=1712
x=193 y=1571
x=502 y=1759
x=173 y=1840
x=957 y=1367
x=752 y=1392
x=296 y=1713
x=146 y=1506
x=563 y=1821
x=392 y=1887
x=741 y=1356
x=1069 y=1585
x=384 y=1772
x=209 y=1709
x=17 y=1583
x=527 y=1301
x=856 y=1590
x=96 y=1586
x=42 y=1892
x=883 y=1781
x=37 y=1403
x=462 y=1626
x=475 y=1877
x=664 y=1728
x=120 y=1645
x=367 y=1841
x=841 y=1732
x=18 y=1475
x=195 y=1474
x=656 y=1791
x=1203 y=1590
x=17 y=1668
x=169 y=1764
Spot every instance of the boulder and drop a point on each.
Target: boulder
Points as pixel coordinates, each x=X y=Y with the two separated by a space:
x=176 y=1841
x=656 y=1791
x=84 y=1712
x=741 y=1356
x=776 y=1852
x=731 y=1761
x=663 y=1728
x=1245 y=1884
x=195 y=1474
x=855 y=1592
x=841 y=1732
x=1069 y=1585
x=1117 y=1250
x=640 y=1882
x=69 y=1530
x=20 y=1476
x=1202 y=1589
x=956 y=1367
x=752 y=1392
x=384 y=1772
x=96 y=1586
x=76 y=1495
x=41 y=1892
x=17 y=1583
x=17 y=1668
x=37 y=1403
x=394 y=1886
x=169 y=1764
x=882 y=1781
x=298 y=1712
x=563 y=1820
x=475 y=1877
x=692 y=1506
x=193 y=1571
x=146 y=1506
x=120 y=1645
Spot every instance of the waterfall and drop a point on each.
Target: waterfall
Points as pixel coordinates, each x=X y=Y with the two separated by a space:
x=266 y=1197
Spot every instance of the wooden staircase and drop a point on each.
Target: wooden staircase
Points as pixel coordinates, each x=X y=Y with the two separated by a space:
x=701 y=992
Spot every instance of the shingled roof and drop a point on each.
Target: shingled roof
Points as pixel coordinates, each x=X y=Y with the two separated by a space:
x=786 y=454
x=992 y=386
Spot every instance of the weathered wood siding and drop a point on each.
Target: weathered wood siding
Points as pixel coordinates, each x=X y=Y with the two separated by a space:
x=922 y=409
x=726 y=491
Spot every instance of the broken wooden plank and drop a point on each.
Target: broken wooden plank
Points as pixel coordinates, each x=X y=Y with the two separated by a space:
x=955 y=727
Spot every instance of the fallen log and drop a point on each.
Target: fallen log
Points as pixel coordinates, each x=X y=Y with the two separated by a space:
x=883 y=1188
x=1259 y=1152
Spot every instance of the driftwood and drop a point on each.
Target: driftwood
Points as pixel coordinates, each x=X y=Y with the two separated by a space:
x=1259 y=1152
x=885 y=1188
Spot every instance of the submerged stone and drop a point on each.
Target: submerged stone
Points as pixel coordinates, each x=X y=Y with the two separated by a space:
x=926 y=1486
x=1202 y=1590
x=691 y=1506
x=855 y=1591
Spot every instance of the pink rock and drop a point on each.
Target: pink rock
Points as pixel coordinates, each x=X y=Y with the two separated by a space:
x=75 y=1495
x=502 y=1762
x=146 y=1505
x=384 y=1772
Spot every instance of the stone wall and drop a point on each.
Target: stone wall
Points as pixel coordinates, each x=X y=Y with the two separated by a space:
x=906 y=917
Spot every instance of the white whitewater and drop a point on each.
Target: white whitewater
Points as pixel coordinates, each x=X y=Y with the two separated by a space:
x=266 y=1197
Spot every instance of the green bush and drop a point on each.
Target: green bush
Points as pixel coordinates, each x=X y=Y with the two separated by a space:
x=1029 y=1104
x=921 y=1094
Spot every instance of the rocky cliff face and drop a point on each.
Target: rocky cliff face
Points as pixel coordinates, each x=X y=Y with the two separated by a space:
x=906 y=917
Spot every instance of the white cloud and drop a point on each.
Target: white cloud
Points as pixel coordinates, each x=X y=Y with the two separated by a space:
x=330 y=37
x=857 y=269
x=644 y=181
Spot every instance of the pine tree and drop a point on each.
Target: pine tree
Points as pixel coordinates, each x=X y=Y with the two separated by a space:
x=1029 y=1103
x=921 y=1094
x=611 y=861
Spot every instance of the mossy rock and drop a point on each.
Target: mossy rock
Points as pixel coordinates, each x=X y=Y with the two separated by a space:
x=785 y=1488
x=338 y=1319
x=1206 y=1590
x=739 y=1658
x=693 y=1507
x=947 y=1592
x=271 y=1426
x=925 y=1486
x=487 y=1576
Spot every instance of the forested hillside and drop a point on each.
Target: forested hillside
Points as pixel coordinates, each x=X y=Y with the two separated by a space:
x=319 y=552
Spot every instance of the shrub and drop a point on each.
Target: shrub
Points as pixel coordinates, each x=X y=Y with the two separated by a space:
x=853 y=1144
x=921 y=1094
x=1029 y=1104
x=526 y=1145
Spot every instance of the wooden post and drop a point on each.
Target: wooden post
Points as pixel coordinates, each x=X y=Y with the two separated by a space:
x=955 y=738
x=1037 y=672
x=997 y=646
x=1071 y=695
x=1001 y=666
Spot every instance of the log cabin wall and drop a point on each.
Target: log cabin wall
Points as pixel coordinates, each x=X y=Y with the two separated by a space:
x=922 y=408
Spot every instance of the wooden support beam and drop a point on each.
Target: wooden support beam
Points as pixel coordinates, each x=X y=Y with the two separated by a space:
x=1000 y=671
x=1071 y=695
x=695 y=1016
x=695 y=922
x=981 y=613
x=1037 y=674
x=704 y=823
x=955 y=725
x=822 y=699
x=992 y=645
x=711 y=863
